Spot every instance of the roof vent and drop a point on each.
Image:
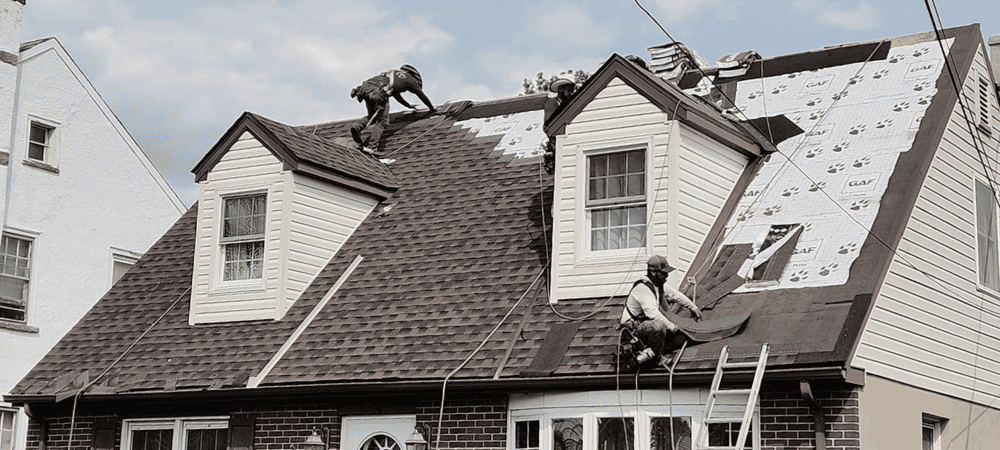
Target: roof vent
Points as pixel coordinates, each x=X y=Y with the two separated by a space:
x=670 y=61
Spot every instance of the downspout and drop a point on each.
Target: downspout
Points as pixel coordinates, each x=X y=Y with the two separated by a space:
x=819 y=422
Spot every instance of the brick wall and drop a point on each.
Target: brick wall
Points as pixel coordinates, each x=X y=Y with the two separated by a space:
x=787 y=422
x=471 y=421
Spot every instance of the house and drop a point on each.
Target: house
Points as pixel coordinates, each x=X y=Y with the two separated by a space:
x=80 y=203
x=451 y=291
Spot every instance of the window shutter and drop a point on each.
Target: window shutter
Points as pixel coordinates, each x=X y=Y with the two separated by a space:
x=104 y=433
x=241 y=428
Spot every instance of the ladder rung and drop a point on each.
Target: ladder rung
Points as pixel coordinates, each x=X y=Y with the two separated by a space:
x=732 y=392
x=740 y=365
x=724 y=420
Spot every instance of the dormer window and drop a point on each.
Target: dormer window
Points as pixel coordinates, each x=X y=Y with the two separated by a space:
x=616 y=199
x=243 y=237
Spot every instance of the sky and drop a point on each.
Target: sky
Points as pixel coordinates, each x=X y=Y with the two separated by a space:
x=178 y=74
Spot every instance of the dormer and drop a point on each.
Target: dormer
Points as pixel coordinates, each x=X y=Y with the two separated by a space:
x=274 y=206
x=641 y=168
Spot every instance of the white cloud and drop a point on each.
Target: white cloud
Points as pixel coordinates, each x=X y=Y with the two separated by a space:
x=861 y=17
x=678 y=10
x=562 y=24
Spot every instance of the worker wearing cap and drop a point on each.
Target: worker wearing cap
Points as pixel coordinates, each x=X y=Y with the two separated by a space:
x=642 y=308
x=375 y=92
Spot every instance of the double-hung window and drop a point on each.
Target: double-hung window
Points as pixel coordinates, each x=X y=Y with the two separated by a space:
x=15 y=273
x=8 y=422
x=177 y=434
x=986 y=231
x=616 y=199
x=243 y=223
x=39 y=141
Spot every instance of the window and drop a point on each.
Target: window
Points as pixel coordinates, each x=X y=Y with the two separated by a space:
x=526 y=435
x=986 y=230
x=659 y=435
x=15 y=274
x=243 y=237
x=726 y=435
x=567 y=434
x=930 y=432
x=616 y=199
x=39 y=141
x=8 y=420
x=615 y=433
x=381 y=442
x=177 y=434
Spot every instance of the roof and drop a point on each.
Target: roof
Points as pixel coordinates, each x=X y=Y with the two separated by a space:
x=459 y=246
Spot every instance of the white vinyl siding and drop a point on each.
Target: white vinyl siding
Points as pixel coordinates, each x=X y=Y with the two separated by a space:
x=936 y=327
x=688 y=178
x=307 y=221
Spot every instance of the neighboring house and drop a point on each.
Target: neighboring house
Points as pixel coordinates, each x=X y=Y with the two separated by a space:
x=456 y=288
x=80 y=203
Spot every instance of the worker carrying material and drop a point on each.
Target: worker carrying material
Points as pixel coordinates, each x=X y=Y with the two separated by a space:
x=642 y=314
x=375 y=92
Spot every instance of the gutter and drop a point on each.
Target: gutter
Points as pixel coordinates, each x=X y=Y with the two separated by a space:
x=561 y=383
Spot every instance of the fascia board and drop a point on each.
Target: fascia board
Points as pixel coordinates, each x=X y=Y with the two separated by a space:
x=246 y=123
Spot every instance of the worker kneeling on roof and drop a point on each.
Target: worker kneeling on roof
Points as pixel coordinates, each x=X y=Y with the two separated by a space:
x=642 y=308
x=375 y=92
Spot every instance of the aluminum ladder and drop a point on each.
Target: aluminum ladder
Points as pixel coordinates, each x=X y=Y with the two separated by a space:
x=729 y=412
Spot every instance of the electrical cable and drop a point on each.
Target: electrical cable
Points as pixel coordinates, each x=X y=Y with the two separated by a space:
x=444 y=385
x=72 y=420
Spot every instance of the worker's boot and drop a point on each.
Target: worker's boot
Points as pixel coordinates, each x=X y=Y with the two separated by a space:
x=356 y=132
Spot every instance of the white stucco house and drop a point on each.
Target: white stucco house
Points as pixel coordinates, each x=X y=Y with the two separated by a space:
x=80 y=203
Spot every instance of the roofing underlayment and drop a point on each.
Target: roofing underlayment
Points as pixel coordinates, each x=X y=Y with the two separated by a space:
x=857 y=119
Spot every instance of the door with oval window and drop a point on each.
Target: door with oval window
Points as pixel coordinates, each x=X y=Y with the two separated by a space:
x=387 y=432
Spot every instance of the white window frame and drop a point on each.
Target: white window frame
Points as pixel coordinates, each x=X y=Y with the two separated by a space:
x=32 y=271
x=584 y=254
x=936 y=424
x=995 y=290
x=178 y=425
x=51 y=152
x=122 y=256
x=590 y=415
x=13 y=431
x=222 y=242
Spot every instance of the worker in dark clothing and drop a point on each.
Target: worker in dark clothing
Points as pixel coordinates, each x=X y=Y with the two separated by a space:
x=642 y=308
x=375 y=92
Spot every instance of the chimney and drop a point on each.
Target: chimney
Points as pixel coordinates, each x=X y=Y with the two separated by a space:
x=10 y=43
x=995 y=54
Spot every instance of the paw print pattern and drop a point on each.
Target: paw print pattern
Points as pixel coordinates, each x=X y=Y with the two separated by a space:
x=815 y=188
x=837 y=167
x=806 y=227
x=814 y=153
x=860 y=204
x=861 y=162
x=924 y=100
x=898 y=58
x=828 y=269
x=880 y=74
x=839 y=95
x=841 y=146
x=744 y=216
x=515 y=141
x=794 y=190
x=755 y=94
x=531 y=127
x=856 y=79
x=848 y=248
x=883 y=123
x=922 y=85
x=899 y=107
x=799 y=275
x=858 y=129
x=793 y=75
x=779 y=89
x=814 y=115
x=814 y=101
x=772 y=210
x=921 y=51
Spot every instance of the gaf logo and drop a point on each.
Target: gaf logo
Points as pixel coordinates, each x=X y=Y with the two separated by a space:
x=806 y=250
x=817 y=84
x=820 y=133
x=752 y=193
x=921 y=69
x=861 y=183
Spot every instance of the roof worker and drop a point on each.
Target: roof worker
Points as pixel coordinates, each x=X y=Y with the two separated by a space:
x=642 y=308
x=564 y=87
x=375 y=92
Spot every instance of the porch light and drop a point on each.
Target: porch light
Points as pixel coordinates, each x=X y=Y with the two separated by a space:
x=314 y=442
x=418 y=439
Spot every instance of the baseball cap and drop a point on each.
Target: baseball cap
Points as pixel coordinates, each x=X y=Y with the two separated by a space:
x=657 y=262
